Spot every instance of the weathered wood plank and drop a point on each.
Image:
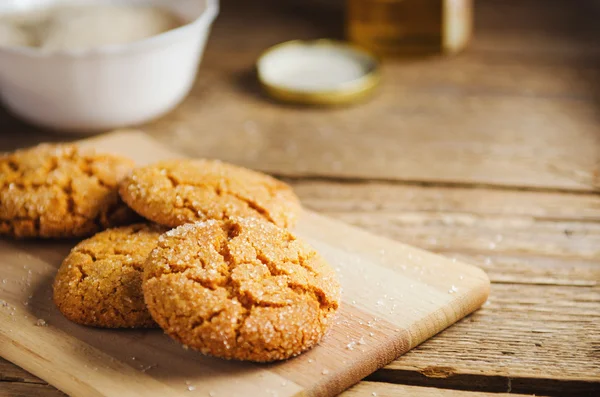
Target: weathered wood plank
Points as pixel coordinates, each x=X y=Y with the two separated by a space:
x=516 y=236
x=537 y=270
x=398 y=136
x=537 y=339
x=347 y=196
x=382 y=389
x=460 y=232
x=17 y=389
x=11 y=373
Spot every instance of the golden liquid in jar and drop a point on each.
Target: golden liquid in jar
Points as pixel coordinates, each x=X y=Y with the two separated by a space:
x=409 y=27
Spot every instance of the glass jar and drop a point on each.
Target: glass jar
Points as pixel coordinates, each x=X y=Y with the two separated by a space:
x=410 y=27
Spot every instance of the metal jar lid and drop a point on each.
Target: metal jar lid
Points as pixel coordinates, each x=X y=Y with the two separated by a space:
x=319 y=72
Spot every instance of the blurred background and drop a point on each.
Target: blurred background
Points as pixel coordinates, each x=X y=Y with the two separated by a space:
x=519 y=101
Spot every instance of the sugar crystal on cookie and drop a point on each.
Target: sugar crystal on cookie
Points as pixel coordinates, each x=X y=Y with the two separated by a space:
x=240 y=289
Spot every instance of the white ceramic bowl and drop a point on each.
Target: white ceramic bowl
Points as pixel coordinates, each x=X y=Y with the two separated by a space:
x=107 y=87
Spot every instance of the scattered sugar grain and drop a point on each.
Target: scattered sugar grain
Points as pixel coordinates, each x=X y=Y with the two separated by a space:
x=336 y=166
x=147 y=368
x=41 y=323
x=325 y=371
x=250 y=127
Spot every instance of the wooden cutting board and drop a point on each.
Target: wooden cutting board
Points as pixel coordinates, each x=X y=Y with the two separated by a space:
x=394 y=297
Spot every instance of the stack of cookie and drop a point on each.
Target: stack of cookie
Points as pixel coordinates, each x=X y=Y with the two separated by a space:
x=213 y=263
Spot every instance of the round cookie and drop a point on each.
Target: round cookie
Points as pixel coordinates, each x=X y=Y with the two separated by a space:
x=240 y=289
x=100 y=282
x=61 y=191
x=176 y=192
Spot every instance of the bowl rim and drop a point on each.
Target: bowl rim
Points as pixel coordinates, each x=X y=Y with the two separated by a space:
x=206 y=18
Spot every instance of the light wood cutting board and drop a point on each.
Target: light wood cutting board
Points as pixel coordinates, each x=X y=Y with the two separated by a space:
x=394 y=297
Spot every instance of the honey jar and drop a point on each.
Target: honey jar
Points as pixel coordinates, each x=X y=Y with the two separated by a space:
x=410 y=27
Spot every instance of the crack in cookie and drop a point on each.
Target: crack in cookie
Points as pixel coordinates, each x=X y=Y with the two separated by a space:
x=100 y=281
x=55 y=191
x=176 y=192
x=236 y=289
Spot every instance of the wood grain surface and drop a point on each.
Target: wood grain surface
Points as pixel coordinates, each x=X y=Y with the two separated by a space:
x=365 y=389
x=394 y=298
x=514 y=126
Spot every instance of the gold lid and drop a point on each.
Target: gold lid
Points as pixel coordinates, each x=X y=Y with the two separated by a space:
x=318 y=72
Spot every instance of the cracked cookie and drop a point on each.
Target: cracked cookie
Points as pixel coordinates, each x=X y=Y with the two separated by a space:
x=61 y=191
x=176 y=192
x=100 y=282
x=240 y=289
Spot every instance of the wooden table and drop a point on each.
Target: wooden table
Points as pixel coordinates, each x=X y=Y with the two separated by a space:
x=491 y=157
